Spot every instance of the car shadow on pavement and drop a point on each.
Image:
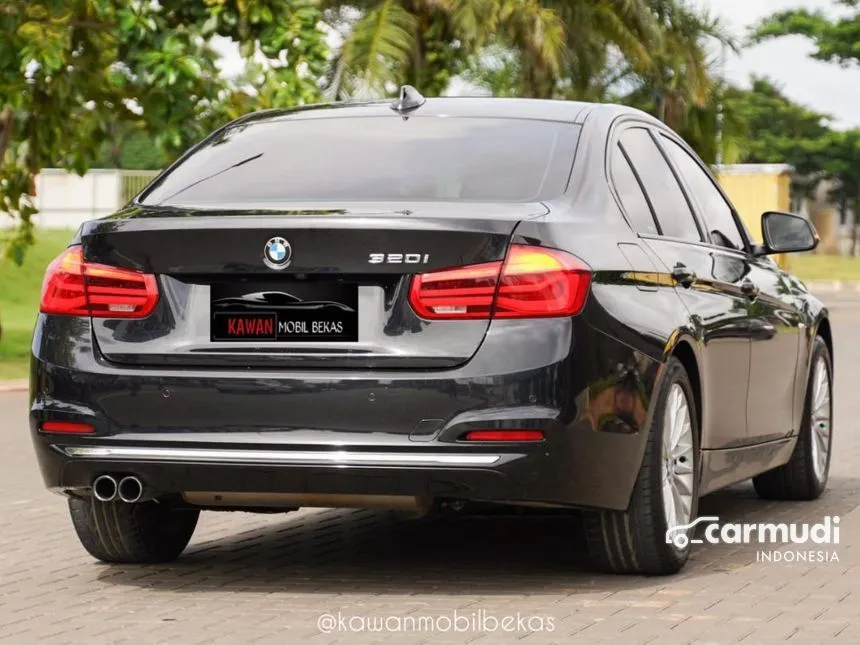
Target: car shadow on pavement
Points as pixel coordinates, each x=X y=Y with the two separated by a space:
x=498 y=552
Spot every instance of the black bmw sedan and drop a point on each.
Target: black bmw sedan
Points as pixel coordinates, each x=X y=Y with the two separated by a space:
x=424 y=304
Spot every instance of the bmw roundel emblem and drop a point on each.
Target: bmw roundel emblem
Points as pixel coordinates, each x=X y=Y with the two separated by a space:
x=277 y=253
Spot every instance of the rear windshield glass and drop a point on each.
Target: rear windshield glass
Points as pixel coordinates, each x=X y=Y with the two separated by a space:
x=375 y=158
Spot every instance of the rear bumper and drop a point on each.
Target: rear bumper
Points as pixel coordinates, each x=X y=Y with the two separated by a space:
x=354 y=433
x=446 y=476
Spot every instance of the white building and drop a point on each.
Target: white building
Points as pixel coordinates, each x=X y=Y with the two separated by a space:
x=65 y=199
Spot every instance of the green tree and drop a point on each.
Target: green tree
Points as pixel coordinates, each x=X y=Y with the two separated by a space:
x=782 y=131
x=835 y=39
x=74 y=73
x=652 y=54
x=606 y=42
x=776 y=126
x=496 y=69
x=131 y=148
x=427 y=42
x=840 y=158
x=681 y=85
x=835 y=156
x=685 y=72
x=715 y=128
x=603 y=43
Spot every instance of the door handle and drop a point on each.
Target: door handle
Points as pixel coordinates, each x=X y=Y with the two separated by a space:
x=683 y=275
x=750 y=289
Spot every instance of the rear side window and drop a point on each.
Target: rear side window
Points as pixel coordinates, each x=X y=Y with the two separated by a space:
x=716 y=211
x=630 y=193
x=375 y=159
x=671 y=207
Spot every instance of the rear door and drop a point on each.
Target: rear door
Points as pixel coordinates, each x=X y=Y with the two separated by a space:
x=774 y=320
x=342 y=302
x=709 y=283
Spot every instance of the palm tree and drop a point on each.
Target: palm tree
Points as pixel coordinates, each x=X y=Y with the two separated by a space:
x=680 y=83
x=683 y=75
x=426 y=42
x=717 y=130
x=606 y=40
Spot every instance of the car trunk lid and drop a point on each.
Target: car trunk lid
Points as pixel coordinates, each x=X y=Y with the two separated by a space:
x=341 y=301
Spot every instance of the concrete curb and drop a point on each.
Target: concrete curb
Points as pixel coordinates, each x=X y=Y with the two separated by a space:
x=19 y=385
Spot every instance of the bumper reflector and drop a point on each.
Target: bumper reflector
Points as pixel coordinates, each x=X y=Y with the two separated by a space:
x=504 y=435
x=67 y=427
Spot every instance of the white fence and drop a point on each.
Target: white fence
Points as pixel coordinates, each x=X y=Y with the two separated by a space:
x=65 y=200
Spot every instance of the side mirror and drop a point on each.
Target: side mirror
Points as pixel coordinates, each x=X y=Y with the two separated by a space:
x=786 y=233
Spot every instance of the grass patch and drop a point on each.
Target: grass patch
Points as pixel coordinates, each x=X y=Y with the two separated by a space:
x=20 y=288
x=823 y=268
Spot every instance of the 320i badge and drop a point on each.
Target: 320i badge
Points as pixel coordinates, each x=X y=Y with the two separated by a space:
x=533 y=303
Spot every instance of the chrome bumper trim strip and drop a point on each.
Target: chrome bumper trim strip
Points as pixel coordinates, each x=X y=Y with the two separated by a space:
x=332 y=457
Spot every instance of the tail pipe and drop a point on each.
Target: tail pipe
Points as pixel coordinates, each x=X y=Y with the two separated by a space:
x=130 y=489
x=105 y=488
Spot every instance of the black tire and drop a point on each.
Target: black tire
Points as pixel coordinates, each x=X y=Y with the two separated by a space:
x=145 y=532
x=634 y=541
x=797 y=480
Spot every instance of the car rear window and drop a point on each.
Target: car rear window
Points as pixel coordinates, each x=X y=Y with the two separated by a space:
x=374 y=159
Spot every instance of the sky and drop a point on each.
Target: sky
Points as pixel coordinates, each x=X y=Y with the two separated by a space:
x=826 y=87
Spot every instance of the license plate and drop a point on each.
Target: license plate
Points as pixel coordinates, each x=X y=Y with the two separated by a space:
x=305 y=312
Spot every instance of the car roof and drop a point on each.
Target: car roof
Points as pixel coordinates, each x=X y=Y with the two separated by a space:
x=481 y=107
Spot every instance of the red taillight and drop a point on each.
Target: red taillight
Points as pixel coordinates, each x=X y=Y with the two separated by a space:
x=73 y=287
x=68 y=427
x=466 y=292
x=504 y=435
x=532 y=282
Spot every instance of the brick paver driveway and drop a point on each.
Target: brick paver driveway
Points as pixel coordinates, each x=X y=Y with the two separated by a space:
x=269 y=578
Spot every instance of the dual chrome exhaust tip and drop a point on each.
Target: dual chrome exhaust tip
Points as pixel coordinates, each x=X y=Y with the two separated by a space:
x=129 y=489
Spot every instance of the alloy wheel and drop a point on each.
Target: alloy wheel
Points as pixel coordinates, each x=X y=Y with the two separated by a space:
x=677 y=459
x=820 y=410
